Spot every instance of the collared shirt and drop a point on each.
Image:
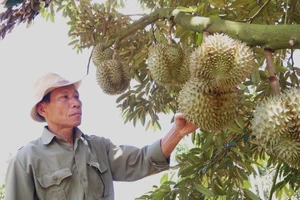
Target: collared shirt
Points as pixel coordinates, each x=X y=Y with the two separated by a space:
x=51 y=168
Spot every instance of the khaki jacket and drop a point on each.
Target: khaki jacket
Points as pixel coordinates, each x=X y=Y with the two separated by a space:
x=50 y=168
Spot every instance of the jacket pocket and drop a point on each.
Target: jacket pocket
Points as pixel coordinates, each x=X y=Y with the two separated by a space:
x=99 y=179
x=52 y=184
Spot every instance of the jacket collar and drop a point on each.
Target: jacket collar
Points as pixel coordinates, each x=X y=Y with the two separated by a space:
x=48 y=136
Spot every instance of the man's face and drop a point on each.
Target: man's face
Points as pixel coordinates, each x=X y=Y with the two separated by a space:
x=64 y=108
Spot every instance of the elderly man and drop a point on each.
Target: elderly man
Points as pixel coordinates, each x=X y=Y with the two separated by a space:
x=65 y=163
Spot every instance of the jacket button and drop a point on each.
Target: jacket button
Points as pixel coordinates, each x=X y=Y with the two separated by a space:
x=54 y=178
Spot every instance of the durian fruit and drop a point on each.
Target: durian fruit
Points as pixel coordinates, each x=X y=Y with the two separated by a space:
x=169 y=64
x=112 y=76
x=99 y=55
x=221 y=61
x=276 y=125
x=209 y=110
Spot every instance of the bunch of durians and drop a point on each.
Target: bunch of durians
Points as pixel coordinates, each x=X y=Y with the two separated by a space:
x=209 y=97
x=208 y=76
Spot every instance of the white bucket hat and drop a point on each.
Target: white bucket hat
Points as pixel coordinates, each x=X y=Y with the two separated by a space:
x=43 y=86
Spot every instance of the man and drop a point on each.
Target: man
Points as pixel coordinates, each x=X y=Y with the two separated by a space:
x=65 y=163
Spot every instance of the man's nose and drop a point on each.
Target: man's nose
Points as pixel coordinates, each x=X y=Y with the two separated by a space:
x=76 y=102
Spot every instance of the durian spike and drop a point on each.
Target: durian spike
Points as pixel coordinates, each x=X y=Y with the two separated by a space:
x=274 y=83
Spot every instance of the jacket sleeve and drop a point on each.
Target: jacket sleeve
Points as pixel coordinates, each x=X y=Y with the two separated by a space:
x=18 y=183
x=129 y=163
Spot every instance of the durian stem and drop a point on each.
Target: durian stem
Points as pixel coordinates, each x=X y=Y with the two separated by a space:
x=170 y=38
x=89 y=62
x=204 y=35
x=274 y=181
x=274 y=83
x=116 y=50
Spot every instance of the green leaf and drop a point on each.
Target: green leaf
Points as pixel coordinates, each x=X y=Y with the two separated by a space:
x=143 y=119
x=216 y=3
x=239 y=3
x=247 y=184
x=235 y=150
x=242 y=174
x=164 y=178
x=240 y=122
x=184 y=172
x=255 y=77
x=279 y=68
x=52 y=18
x=140 y=57
x=208 y=141
x=193 y=137
x=73 y=42
x=123 y=96
x=288 y=191
x=190 y=9
x=233 y=127
x=204 y=190
x=160 y=195
x=216 y=189
x=250 y=194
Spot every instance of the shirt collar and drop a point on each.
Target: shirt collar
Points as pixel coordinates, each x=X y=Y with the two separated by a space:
x=47 y=136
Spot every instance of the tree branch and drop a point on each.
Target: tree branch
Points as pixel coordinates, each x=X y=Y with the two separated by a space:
x=252 y=34
x=163 y=13
x=266 y=36
x=143 y=22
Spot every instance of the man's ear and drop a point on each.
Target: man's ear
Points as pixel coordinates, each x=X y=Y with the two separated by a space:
x=40 y=108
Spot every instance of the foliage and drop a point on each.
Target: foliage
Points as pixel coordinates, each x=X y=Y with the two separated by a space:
x=2 y=193
x=220 y=164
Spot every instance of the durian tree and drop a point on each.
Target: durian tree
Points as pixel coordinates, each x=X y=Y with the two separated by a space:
x=227 y=65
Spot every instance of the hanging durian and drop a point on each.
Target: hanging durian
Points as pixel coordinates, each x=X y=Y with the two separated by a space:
x=276 y=125
x=113 y=76
x=209 y=110
x=221 y=61
x=169 y=64
x=99 y=55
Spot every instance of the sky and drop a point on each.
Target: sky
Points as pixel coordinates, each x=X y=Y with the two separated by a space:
x=28 y=53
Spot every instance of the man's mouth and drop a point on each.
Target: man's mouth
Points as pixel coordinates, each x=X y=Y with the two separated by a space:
x=76 y=114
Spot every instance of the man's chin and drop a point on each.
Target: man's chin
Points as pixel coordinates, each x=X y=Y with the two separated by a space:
x=77 y=123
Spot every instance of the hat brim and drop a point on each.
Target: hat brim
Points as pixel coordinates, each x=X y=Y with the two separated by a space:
x=34 y=114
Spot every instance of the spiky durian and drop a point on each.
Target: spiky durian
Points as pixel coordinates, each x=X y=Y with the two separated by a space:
x=169 y=64
x=222 y=61
x=276 y=125
x=99 y=55
x=113 y=77
x=209 y=110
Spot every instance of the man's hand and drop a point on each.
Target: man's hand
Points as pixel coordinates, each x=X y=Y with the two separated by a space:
x=182 y=126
